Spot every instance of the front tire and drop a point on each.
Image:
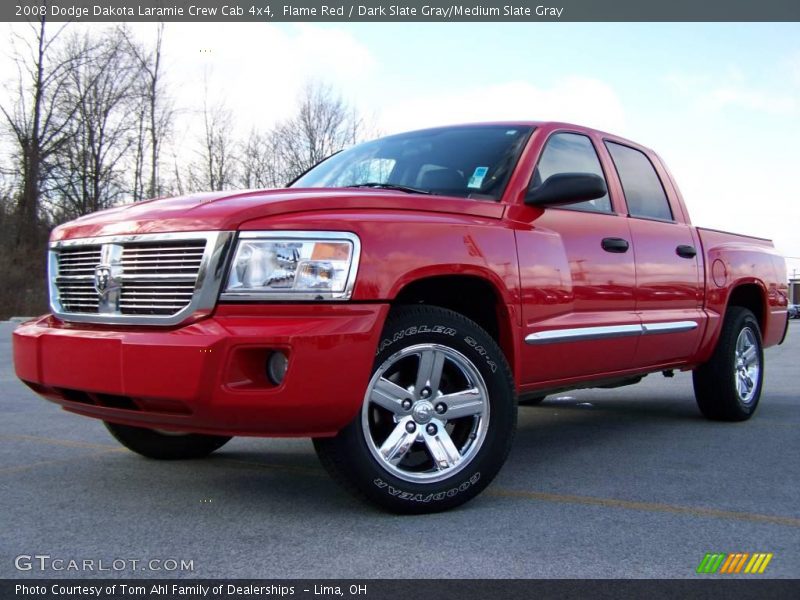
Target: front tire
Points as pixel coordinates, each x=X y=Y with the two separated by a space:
x=438 y=417
x=728 y=387
x=165 y=445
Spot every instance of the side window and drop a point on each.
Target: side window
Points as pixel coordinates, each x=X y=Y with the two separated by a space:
x=571 y=153
x=640 y=183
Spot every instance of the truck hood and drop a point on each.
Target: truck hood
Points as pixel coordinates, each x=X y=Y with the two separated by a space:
x=220 y=211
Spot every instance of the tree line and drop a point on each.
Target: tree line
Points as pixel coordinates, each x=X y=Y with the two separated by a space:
x=85 y=126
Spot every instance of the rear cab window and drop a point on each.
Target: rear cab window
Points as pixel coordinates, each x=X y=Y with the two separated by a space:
x=641 y=185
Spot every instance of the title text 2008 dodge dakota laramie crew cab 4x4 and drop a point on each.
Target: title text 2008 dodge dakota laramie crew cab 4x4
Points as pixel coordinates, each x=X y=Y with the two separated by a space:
x=395 y=301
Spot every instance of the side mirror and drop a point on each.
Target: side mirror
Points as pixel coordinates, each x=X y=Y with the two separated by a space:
x=567 y=188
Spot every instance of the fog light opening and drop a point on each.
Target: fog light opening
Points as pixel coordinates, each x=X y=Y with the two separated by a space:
x=277 y=365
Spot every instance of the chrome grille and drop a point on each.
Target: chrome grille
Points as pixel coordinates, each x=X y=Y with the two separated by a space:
x=162 y=276
x=155 y=297
x=150 y=278
x=75 y=280
x=179 y=258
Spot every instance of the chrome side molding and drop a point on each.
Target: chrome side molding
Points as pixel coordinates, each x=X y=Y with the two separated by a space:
x=607 y=331
x=668 y=327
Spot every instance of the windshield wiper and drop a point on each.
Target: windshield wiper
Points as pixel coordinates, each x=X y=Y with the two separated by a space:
x=390 y=186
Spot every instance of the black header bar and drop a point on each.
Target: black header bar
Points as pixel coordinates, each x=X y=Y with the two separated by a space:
x=439 y=11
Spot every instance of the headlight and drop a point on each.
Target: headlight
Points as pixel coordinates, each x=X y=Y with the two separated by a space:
x=293 y=265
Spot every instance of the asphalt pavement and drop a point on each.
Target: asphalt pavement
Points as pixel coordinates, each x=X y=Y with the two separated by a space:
x=627 y=482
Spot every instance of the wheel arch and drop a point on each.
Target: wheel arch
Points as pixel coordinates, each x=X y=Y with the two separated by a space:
x=748 y=293
x=752 y=295
x=472 y=295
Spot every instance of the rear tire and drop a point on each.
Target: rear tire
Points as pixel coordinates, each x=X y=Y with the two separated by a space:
x=728 y=386
x=165 y=446
x=438 y=417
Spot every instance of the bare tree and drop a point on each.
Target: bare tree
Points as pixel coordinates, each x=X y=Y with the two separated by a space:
x=91 y=169
x=139 y=152
x=258 y=166
x=159 y=112
x=38 y=117
x=323 y=125
x=214 y=168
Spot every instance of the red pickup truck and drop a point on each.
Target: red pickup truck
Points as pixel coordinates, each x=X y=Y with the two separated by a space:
x=396 y=300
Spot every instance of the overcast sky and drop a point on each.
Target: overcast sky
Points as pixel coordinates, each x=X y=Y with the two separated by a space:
x=719 y=102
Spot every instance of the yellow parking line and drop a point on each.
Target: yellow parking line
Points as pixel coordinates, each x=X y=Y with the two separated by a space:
x=655 y=507
x=48 y=463
x=315 y=472
x=646 y=506
x=56 y=442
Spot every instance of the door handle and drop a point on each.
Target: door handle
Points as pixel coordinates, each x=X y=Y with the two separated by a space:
x=686 y=251
x=613 y=244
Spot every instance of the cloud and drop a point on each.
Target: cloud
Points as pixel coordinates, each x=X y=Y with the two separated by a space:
x=256 y=69
x=732 y=90
x=573 y=99
x=756 y=100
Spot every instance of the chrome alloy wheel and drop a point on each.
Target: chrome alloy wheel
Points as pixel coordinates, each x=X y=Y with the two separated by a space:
x=747 y=365
x=425 y=413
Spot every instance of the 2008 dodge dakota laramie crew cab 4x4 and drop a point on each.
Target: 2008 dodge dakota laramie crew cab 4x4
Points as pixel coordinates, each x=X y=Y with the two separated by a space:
x=394 y=302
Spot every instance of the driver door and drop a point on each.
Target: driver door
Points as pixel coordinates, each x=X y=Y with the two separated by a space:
x=577 y=277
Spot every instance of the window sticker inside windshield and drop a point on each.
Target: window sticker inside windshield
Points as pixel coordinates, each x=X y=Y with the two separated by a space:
x=477 y=177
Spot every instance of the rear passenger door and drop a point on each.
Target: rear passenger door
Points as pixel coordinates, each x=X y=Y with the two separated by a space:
x=669 y=284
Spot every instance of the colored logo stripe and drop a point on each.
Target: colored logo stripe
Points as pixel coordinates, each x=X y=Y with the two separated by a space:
x=758 y=563
x=714 y=562
x=710 y=563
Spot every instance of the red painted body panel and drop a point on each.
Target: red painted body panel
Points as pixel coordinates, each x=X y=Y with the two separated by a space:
x=546 y=266
x=569 y=282
x=197 y=378
x=746 y=261
x=221 y=211
x=668 y=288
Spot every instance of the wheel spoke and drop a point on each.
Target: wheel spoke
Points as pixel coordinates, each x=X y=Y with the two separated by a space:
x=443 y=451
x=429 y=372
x=749 y=355
x=462 y=404
x=748 y=381
x=388 y=395
x=747 y=365
x=395 y=447
x=741 y=386
x=411 y=399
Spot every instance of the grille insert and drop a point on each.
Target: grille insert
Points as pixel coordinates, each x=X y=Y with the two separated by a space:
x=157 y=278
x=75 y=282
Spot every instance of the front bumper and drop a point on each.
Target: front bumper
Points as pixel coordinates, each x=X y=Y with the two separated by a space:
x=210 y=376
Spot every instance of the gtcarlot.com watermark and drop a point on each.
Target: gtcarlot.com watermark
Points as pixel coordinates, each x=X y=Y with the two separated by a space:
x=44 y=563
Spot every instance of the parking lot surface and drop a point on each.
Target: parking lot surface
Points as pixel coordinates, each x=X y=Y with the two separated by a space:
x=627 y=482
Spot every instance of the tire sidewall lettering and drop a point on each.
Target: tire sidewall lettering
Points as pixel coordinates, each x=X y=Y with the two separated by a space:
x=442 y=330
x=414 y=330
x=483 y=352
x=426 y=497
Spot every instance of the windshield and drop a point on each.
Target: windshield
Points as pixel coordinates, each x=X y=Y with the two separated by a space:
x=470 y=161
